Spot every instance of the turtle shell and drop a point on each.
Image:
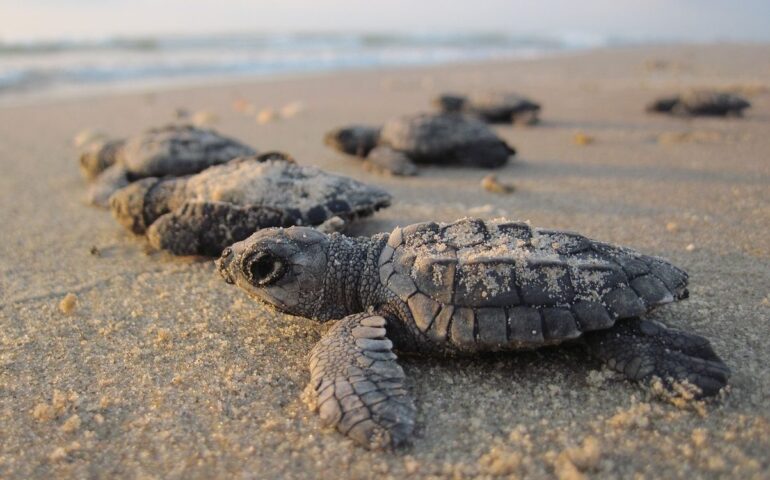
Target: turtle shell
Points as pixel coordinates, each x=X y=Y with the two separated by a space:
x=178 y=150
x=313 y=195
x=444 y=138
x=499 y=103
x=499 y=284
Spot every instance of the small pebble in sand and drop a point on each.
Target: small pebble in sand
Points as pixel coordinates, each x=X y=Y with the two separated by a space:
x=204 y=118
x=163 y=336
x=71 y=424
x=699 y=437
x=411 y=465
x=586 y=456
x=490 y=183
x=104 y=402
x=672 y=227
x=267 y=115
x=582 y=139
x=68 y=303
x=241 y=105
x=58 y=454
x=86 y=136
x=690 y=247
x=94 y=250
x=500 y=461
x=292 y=109
x=43 y=412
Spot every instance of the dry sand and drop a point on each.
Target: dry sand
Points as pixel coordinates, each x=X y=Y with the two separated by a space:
x=155 y=368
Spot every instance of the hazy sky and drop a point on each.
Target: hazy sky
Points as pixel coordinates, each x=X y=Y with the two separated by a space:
x=666 y=19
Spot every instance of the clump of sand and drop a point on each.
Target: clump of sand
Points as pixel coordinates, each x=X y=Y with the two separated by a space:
x=204 y=118
x=68 y=304
x=267 y=115
x=492 y=184
x=583 y=139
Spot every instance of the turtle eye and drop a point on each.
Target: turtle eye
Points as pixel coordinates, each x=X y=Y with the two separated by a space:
x=263 y=269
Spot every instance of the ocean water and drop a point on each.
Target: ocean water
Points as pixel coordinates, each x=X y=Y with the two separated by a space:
x=71 y=66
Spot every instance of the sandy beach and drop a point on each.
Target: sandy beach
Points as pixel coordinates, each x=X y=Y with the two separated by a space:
x=161 y=370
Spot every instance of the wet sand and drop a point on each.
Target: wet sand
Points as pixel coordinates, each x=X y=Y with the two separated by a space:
x=161 y=370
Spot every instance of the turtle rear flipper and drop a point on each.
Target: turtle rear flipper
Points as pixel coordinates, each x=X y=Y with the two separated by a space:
x=643 y=350
x=357 y=386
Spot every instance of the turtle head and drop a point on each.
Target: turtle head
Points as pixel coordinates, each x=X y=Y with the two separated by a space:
x=356 y=140
x=662 y=104
x=98 y=155
x=285 y=268
x=449 y=103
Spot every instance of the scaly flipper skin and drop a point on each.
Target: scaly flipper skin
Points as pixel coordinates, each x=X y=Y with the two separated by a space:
x=643 y=350
x=357 y=385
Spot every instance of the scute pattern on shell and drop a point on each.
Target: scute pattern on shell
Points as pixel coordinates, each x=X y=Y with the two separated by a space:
x=283 y=184
x=497 y=284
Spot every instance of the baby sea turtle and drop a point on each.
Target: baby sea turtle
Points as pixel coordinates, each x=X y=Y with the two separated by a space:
x=466 y=287
x=701 y=102
x=492 y=107
x=174 y=150
x=449 y=139
x=203 y=213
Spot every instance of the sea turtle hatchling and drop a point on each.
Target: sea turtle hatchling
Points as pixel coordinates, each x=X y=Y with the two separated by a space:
x=203 y=213
x=442 y=139
x=173 y=150
x=465 y=287
x=491 y=107
x=701 y=103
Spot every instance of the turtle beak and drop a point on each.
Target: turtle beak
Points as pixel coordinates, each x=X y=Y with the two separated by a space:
x=223 y=265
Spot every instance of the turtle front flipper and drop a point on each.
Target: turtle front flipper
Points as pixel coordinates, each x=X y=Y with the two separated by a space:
x=356 y=140
x=108 y=182
x=206 y=228
x=385 y=159
x=643 y=350
x=357 y=386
